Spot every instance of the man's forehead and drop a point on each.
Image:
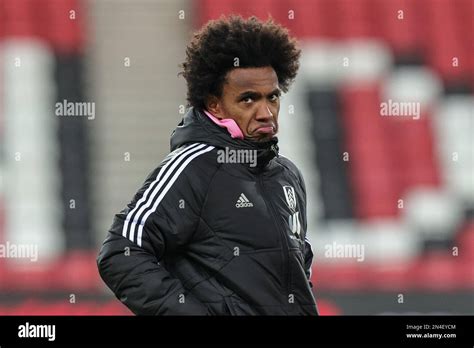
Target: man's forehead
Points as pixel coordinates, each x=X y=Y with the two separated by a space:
x=243 y=78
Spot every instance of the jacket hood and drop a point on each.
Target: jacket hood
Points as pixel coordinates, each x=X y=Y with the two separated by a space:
x=197 y=127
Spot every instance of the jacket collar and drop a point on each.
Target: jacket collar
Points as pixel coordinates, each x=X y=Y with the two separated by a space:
x=197 y=127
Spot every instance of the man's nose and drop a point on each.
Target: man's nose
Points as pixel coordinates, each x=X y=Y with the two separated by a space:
x=264 y=113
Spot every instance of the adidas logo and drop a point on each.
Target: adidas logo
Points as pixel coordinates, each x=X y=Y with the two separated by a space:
x=243 y=202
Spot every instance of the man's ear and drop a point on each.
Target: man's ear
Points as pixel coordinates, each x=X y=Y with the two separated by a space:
x=213 y=106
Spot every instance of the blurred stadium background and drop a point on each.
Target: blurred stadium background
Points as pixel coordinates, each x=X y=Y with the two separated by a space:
x=401 y=187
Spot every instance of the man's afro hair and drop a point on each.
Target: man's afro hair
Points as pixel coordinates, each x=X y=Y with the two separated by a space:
x=233 y=42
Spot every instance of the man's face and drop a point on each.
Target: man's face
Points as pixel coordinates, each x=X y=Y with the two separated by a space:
x=251 y=97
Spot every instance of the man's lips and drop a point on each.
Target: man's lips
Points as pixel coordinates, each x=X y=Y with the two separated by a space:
x=265 y=130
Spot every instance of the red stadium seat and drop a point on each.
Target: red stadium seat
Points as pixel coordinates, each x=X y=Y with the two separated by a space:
x=354 y=19
x=403 y=35
x=373 y=185
x=465 y=243
x=411 y=147
x=311 y=19
x=64 y=28
x=19 y=18
x=436 y=271
x=445 y=39
x=262 y=9
x=213 y=9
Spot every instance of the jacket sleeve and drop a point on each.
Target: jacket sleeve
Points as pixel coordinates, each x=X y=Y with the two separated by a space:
x=159 y=221
x=308 y=260
x=308 y=253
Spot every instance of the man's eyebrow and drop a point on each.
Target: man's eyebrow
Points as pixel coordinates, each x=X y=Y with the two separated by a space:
x=253 y=94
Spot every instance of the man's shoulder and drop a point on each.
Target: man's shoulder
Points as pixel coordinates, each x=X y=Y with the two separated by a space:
x=192 y=152
x=288 y=164
x=191 y=158
x=293 y=170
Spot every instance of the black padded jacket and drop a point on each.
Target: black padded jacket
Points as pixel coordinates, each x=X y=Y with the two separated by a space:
x=218 y=228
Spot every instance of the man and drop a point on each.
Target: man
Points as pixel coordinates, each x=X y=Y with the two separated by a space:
x=219 y=227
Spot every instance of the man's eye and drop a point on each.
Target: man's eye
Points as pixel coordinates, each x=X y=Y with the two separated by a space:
x=247 y=100
x=274 y=97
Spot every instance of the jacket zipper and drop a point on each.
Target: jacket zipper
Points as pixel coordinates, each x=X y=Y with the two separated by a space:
x=283 y=237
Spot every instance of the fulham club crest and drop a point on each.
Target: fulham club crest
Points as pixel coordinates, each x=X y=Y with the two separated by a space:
x=293 y=219
x=290 y=197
